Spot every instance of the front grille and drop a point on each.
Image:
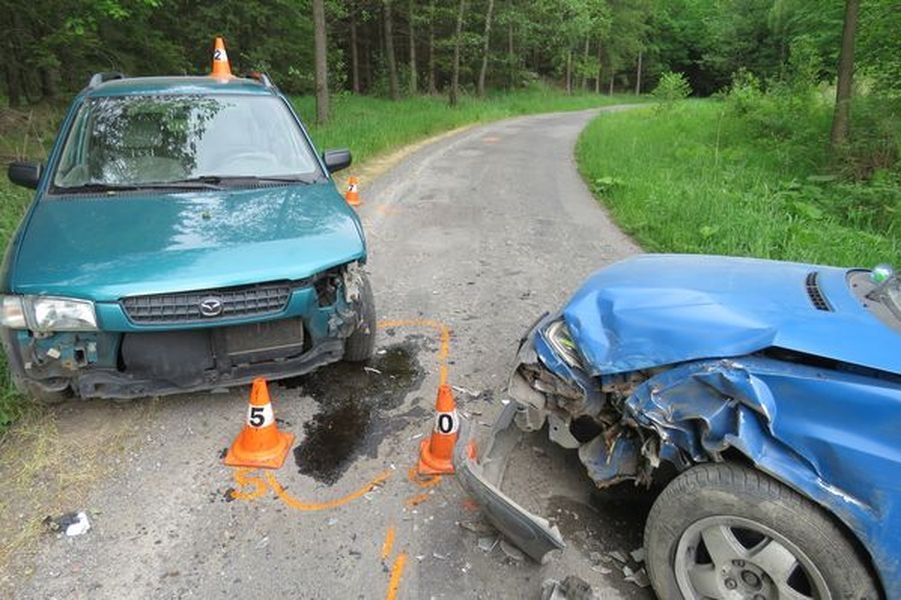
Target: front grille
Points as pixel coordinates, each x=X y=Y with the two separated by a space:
x=814 y=293
x=244 y=301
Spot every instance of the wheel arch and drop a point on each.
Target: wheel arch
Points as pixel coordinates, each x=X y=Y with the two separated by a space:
x=717 y=412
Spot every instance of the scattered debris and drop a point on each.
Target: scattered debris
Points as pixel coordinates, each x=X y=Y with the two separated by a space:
x=618 y=557
x=487 y=544
x=512 y=552
x=639 y=577
x=372 y=370
x=539 y=451
x=417 y=436
x=637 y=555
x=478 y=527
x=440 y=556
x=72 y=524
x=571 y=588
x=263 y=543
x=463 y=390
x=601 y=570
x=332 y=521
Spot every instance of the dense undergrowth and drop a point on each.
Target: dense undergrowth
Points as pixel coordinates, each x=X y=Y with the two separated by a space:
x=752 y=174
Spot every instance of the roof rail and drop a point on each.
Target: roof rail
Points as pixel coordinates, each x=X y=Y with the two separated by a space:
x=261 y=77
x=98 y=78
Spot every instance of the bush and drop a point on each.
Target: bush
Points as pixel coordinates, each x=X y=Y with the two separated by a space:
x=671 y=88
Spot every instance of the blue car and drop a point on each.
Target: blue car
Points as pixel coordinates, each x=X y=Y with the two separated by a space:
x=771 y=389
x=184 y=235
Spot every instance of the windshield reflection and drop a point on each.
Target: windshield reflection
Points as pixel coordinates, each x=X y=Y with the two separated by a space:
x=134 y=140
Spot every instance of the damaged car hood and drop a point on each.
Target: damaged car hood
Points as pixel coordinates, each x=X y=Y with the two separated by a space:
x=654 y=310
x=104 y=247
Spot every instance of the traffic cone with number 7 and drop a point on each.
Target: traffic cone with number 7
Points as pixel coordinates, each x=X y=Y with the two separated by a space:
x=436 y=453
x=260 y=443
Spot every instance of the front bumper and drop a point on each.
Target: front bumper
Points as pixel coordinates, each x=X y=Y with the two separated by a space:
x=482 y=478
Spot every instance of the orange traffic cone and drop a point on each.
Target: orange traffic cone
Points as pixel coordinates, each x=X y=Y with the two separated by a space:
x=221 y=67
x=353 y=195
x=260 y=443
x=436 y=453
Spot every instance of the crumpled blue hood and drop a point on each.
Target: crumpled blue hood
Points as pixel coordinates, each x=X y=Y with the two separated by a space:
x=654 y=310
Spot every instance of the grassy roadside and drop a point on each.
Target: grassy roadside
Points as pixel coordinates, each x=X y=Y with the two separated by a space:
x=691 y=179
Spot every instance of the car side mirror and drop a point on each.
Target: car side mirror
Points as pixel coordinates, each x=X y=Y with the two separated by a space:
x=26 y=174
x=335 y=160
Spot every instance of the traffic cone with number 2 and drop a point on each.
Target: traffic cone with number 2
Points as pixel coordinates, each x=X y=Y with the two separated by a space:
x=260 y=443
x=436 y=453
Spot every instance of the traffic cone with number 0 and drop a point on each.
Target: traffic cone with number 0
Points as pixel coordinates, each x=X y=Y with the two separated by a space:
x=260 y=443
x=436 y=453
x=353 y=194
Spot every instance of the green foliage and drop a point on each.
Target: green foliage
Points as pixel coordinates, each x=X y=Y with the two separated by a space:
x=696 y=181
x=671 y=88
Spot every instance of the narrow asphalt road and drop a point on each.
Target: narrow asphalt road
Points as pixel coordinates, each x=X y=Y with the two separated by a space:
x=471 y=239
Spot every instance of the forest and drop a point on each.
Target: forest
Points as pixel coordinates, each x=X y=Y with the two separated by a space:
x=394 y=48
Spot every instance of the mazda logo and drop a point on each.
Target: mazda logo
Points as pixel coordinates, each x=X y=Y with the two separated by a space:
x=210 y=307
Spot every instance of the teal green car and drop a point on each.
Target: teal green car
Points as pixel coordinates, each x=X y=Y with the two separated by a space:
x=185 y=235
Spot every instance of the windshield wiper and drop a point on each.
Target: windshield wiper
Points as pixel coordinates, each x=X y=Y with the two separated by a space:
x=131 y=187
x=238 y=180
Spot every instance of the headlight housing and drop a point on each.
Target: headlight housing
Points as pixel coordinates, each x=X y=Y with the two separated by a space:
x=47 y=313
x=558 y=337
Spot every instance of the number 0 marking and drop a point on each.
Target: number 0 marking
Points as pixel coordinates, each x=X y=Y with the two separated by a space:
x=446 y=423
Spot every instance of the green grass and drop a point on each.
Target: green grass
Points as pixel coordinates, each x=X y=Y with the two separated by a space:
x=691 y=179
x=372 y=126
x=368 y=126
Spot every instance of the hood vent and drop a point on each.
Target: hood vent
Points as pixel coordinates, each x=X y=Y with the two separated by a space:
x=815 y=294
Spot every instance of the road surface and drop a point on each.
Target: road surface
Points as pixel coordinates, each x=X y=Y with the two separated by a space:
x=471 y=238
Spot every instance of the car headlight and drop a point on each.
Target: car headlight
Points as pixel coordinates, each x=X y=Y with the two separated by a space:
x=47 y=313
x=557 y=335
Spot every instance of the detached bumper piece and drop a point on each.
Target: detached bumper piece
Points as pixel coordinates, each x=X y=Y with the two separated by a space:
x=482 y=480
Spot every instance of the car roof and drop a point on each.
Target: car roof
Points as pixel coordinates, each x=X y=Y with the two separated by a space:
x=204 y=85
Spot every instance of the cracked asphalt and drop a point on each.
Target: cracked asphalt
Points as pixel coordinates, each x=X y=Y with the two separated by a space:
x=475 y=235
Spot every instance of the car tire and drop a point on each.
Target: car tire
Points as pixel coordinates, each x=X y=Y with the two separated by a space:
x=360 y=345
x=725 y=530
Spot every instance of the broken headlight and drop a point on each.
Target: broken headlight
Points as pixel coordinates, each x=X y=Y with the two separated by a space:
x=557 y=335
x=46 y=313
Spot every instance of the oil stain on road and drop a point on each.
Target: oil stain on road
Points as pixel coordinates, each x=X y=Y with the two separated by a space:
x=354 y=400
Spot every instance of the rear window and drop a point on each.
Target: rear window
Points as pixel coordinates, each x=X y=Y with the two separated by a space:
x=132 y=140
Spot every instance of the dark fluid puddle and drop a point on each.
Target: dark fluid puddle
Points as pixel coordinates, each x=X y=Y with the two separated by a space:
x=354 y=399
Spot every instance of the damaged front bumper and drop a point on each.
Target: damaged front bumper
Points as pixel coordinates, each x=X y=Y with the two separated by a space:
x=482 y=478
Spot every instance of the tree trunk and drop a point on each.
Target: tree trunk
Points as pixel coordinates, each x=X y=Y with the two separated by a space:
x=485 y=48
x=511 y=55
x=569 y=71
x=393 y=87
x=597 y=79
x=583 y=78
x=841 y=119
x=354 y=53
x=638 y=75
x=433 y=87
x=414 y=84
x=610 y=89
x=321 y=63
x=458 y=40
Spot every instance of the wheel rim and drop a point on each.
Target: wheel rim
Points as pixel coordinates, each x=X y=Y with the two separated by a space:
x=734 y=558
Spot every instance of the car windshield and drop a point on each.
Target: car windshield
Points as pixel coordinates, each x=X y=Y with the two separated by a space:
x=129 y=141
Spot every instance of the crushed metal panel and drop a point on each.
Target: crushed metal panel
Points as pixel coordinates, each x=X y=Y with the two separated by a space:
x=482 y=480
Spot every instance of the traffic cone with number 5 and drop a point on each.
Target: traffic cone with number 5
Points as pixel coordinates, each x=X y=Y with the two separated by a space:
x=436 y=453
x=260 y=443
